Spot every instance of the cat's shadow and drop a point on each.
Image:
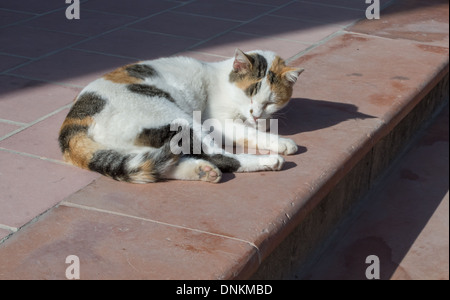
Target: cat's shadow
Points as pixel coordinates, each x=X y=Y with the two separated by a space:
x=305 y=115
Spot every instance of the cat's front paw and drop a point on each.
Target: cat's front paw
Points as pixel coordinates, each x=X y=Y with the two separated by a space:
x=285 y=146
x=271 y=162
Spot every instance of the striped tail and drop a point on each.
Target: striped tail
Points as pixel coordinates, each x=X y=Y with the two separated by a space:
x=135 y=166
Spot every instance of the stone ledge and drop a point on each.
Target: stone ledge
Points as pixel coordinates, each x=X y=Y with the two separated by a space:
x=296 y=252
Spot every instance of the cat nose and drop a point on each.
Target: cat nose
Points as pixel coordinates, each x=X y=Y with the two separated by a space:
x=253 y=116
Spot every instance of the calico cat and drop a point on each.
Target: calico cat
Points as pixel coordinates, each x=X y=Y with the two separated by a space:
x=120 y=124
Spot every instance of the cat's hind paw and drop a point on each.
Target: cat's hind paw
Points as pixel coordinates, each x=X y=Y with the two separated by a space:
x=208 y=172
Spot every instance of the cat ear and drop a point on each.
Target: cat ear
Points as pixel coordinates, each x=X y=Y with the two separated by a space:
x=241 y=61
x=292 y=74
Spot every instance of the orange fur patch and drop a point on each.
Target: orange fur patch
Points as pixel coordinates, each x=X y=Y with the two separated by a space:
x=121 y=75
x=281 y=86
x=245 y=83
x=145 y=174
x=81 y=147
x=278 y=65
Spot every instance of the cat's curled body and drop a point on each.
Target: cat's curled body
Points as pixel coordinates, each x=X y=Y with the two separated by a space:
x=119 y=124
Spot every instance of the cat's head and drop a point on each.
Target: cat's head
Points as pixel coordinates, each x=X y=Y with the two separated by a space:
x=266 y=80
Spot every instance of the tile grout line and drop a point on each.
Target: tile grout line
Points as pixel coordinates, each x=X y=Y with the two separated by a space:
x=271 y=37
x=210 y=54
x=15 y=55
x=6 y=121
x=59 y=83
x=89 y=208
x=56 y=31
x=173 y=12
x=204 y=16
x=18 y=12
x=331 y=5
x=9 y=228
x=103 y=53
x=163 y=34
x=28 y=223
x=109 y=13
x=315 y=45
x=308 y=21
x=35 y=156
x=252 y=3
x=305 y=21
x=36 y=121
x=11 y=231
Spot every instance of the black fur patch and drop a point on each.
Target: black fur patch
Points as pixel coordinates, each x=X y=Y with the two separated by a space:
x=87 y=105
x=156 y=137
x=149 y=90
x=110 y=163
x=225 y=163
x=67 y=133
x=253 y=89
x=141 y=71
x=259 y=69
x=160 y=137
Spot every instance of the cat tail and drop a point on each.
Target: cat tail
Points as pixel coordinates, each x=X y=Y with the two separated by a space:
x=137 y=165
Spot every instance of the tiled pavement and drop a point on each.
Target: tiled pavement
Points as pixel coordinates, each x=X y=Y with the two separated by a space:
x=167 y=230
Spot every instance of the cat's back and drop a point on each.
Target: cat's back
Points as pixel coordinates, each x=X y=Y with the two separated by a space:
x=177 y=65
x=181 y=72
x=171 y=70
x=183 y=80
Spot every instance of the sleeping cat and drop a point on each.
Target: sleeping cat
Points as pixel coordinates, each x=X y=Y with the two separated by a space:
x=120 y=124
